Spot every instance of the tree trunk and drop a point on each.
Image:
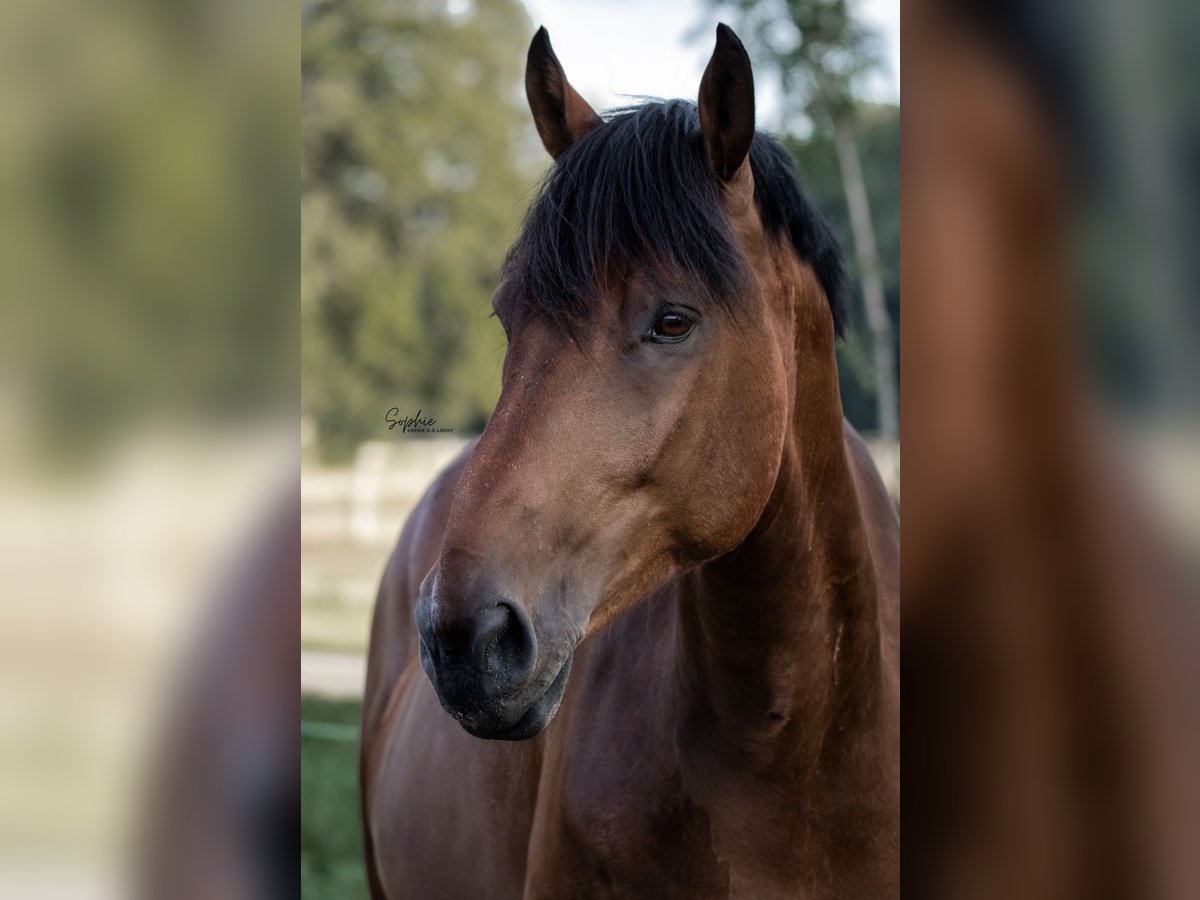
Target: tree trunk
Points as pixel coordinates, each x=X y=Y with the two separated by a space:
x=872 y=282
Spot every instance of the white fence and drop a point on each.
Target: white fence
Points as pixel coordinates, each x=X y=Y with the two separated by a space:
x=368 y=502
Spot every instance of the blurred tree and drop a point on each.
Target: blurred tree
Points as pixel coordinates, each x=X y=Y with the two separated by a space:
x=878 y=137
x=148 y=227
x=412 y=188
x=820 y=52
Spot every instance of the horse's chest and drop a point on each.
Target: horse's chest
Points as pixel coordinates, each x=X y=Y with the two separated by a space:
x=636 y=819
x=635 y=832
x=615 y=817
x=620 y=811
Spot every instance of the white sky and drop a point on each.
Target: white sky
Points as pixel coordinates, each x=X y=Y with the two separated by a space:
x=611 y=48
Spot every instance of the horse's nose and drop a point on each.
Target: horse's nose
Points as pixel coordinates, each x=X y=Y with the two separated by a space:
x=480 y=644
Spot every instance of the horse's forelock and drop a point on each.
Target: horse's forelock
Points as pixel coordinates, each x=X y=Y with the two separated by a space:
x=637 y=194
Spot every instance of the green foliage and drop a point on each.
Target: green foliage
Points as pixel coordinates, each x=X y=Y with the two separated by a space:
x=147 y=232
x=878 y=135
x=412 y=190
x=331 y=855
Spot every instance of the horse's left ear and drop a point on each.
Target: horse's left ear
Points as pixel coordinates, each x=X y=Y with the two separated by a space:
x=562 y=117
x=727 y=105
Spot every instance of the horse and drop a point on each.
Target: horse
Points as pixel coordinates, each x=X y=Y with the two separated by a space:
x=641 y=638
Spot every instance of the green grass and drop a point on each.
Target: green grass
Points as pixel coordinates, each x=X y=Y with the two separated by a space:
x=331 y=863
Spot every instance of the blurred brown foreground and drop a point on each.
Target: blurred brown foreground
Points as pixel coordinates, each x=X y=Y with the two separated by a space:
x=1050 y=651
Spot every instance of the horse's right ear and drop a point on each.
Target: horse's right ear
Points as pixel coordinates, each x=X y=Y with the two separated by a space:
x=562 y=117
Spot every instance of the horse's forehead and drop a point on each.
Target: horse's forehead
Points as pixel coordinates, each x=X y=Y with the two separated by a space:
x=614 y=296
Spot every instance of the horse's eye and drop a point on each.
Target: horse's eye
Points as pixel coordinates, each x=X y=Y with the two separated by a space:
x=671 y=326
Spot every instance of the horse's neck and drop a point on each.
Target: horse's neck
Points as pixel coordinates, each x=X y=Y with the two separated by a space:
x=779 y=639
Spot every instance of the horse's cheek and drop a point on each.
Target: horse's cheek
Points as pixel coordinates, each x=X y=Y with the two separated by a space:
x=765 y=428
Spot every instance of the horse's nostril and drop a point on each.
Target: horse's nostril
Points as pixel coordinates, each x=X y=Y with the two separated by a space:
x=490 y=625
x=503 y=645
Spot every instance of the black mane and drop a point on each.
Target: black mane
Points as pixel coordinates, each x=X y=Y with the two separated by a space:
x=638 y=192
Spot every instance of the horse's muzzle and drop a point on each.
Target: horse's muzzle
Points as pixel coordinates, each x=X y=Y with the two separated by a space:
x=480 y=652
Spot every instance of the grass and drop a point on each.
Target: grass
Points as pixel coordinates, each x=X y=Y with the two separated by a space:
x=331 y=863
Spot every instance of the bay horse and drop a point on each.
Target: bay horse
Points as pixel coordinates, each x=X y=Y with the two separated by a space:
x=658 y=596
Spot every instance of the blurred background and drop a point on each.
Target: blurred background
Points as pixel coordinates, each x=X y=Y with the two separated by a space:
x=419 y=160
x=149 y=270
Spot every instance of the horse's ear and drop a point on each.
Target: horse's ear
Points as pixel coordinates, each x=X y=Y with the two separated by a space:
x=727 y=105
x=561 y=115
